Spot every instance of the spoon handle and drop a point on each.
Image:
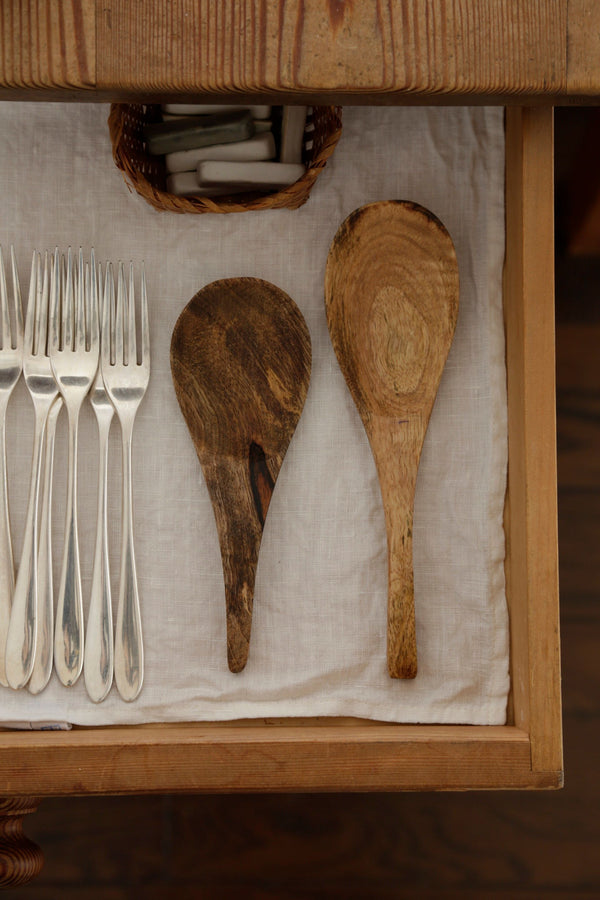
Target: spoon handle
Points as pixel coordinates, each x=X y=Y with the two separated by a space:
x=401 y=634
x=396 y=445
x=241 y=491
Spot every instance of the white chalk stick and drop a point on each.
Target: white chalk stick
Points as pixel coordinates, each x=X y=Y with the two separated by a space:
x=185 y=184
x=292 y=134
x=259 y=147
x=201 y=109
x=248 y=175
x=262 y=125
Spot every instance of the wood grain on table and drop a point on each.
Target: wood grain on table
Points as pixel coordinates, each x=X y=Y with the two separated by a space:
x=373 y=51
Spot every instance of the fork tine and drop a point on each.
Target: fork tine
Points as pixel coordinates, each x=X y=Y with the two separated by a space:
x=79 y=336
x=120 y=315
x=63 y=273
x=5 y=331
x=99 y=295
x=39 y=332
x=18 y=306
x=93 y=314
x=145 y=325
x=107 y=316
x=91 y=288
x=87 y=302
x=40 y=318
x=30 y=318
x=55 y=292
x=44 y=311
x=68 y=304
x=131 y=342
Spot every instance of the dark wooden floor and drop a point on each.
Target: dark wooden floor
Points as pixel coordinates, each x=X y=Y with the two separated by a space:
x=418 y=846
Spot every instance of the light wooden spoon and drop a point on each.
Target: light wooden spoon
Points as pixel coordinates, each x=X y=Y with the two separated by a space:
x=391 y=295
x=240 y=360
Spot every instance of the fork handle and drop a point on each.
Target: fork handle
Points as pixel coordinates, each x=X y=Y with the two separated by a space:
x=42 y=665
x=7 y=567
x=98 y=656
x=129 y=650
x=68 y=635
x=21 y=640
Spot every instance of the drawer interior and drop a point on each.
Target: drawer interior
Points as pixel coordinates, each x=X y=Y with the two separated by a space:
x=353 y=754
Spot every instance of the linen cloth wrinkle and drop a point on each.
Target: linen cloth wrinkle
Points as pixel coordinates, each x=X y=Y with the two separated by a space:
x=318 y=644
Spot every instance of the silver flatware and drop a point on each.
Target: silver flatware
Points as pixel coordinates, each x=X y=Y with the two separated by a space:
x=37 y=371
x=99 y=652
x=11 y=356
x=126 y=381
x=74 y=352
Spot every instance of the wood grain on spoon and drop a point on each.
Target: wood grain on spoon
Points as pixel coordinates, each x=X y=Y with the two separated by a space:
x=391 y=294
x=240 y=360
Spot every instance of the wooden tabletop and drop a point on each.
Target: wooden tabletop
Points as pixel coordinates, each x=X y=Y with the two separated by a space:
x=383 y=51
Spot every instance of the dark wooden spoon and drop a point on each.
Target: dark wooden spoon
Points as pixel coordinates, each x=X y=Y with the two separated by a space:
x=240 y=359
x=391 y=295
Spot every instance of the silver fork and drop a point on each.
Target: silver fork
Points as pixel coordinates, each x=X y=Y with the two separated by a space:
x=99 y=651
x=21 y=642
x=74 y=352
x=11 y=356
x=126 y=381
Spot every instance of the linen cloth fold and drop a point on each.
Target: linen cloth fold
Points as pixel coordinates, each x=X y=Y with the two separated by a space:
x=318 y=644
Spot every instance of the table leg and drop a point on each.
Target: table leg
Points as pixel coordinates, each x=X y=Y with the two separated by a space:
x=20 y=859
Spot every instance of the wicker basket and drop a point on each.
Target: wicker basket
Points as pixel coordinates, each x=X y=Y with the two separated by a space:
x=147 y=175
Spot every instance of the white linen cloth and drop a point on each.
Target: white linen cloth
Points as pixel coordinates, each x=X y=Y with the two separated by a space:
x=319 y=630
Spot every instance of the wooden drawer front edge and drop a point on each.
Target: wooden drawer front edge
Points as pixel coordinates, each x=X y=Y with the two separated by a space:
x=330 y=757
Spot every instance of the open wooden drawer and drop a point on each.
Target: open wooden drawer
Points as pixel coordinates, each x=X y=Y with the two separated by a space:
x=349 y=755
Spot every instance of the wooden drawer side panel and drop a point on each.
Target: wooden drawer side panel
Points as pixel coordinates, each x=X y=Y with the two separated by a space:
x=532 y=543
